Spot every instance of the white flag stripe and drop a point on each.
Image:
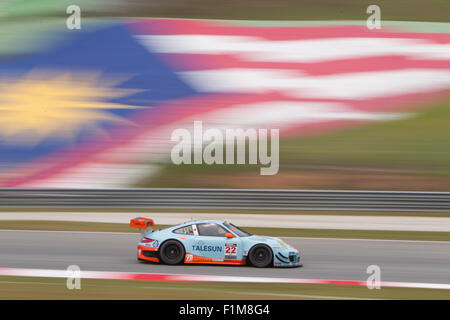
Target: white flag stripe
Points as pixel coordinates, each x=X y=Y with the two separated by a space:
x=286 y=113
x=315 y=50
x=359 y=85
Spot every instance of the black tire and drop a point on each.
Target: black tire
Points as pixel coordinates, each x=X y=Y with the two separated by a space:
x=172 y=252
x=260 y=256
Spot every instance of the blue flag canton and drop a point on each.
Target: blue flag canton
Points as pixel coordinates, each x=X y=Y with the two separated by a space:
x=88 y=85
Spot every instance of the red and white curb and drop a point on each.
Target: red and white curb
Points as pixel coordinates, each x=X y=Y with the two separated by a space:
x=47 y=273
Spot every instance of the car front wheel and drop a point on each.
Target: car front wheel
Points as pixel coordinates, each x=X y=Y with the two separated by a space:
x=260 y=256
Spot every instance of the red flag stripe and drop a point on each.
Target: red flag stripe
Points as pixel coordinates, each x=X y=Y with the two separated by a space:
x=205 y=27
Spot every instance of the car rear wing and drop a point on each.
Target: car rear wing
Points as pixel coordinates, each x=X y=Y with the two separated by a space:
x=142 y=223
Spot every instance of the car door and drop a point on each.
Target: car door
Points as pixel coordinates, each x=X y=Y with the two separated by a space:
x=210 y=241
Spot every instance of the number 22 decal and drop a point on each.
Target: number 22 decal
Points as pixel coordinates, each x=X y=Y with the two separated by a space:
x=230 y=250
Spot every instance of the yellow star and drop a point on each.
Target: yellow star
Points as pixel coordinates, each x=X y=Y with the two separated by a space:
x=41 y=105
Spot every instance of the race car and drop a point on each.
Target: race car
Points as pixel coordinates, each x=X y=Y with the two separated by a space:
x=211 y=242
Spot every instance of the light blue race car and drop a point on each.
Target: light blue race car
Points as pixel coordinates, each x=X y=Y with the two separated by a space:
x=212 y=242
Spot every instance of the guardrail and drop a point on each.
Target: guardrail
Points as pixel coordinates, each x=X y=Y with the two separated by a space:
x=242 y=199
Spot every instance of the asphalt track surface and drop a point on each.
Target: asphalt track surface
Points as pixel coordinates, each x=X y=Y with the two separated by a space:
x=405 y=261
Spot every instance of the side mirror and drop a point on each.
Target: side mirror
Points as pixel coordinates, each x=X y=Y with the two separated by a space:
x=229 y=235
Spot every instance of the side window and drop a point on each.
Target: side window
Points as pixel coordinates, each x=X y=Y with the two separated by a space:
x=211 y=230
x=184 y=230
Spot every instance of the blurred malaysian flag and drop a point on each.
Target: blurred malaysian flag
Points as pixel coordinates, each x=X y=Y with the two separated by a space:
x=97 y=109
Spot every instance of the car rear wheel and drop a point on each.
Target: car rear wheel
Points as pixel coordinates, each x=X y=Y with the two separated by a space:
x=260 y=256
x=171 y=252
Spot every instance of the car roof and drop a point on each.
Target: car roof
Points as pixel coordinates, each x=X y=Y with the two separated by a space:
x=201 y=221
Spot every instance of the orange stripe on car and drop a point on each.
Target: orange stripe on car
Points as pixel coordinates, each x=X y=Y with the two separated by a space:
x=191 y=258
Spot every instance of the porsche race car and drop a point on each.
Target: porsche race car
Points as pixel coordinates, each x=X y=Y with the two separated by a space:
x=211 y=242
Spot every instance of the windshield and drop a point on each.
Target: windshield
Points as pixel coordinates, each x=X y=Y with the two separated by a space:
x=236 y=230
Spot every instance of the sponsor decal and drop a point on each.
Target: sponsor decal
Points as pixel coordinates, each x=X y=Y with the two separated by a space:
x=207 y=248
x=189 y=257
